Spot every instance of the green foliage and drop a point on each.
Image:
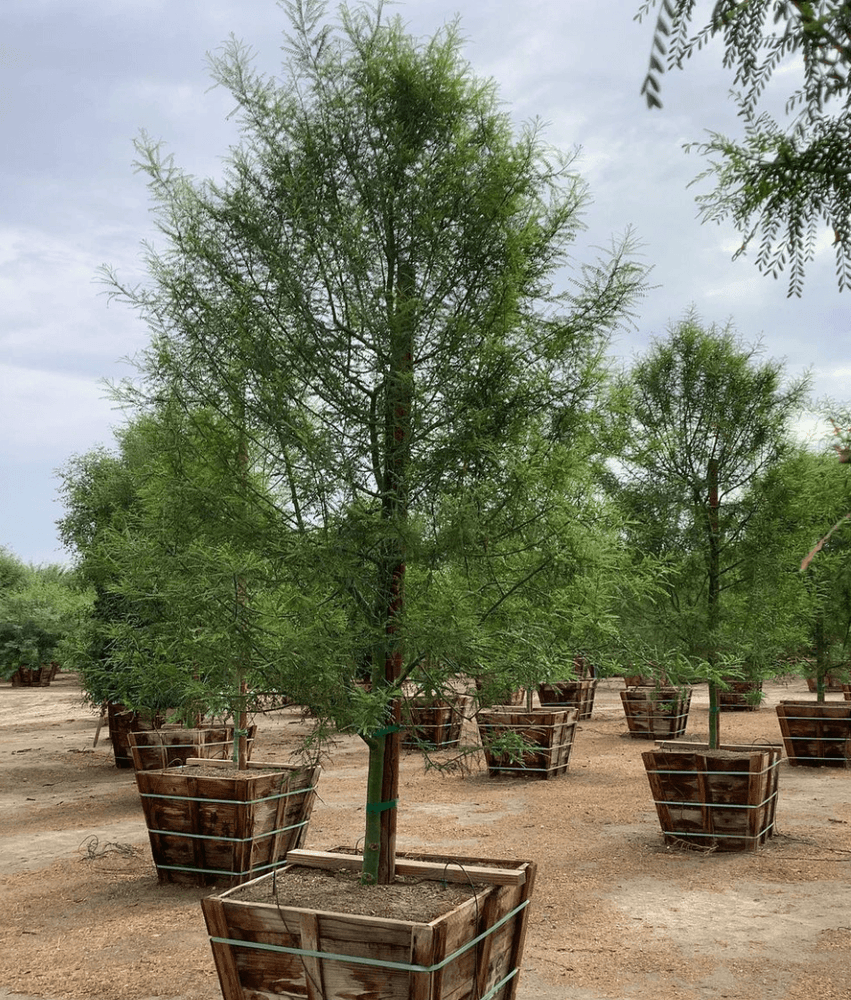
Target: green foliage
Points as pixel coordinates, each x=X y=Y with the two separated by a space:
x=163 y=529
x=814 y=489
x=709 y=423
x=39 y=608
x=366 y=298
x=785 y=179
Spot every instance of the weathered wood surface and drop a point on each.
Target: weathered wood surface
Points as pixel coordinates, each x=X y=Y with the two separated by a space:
x=722 y=800
x=578 y=694
x=209 y=830
x=548 y=732
x=656 y=713
x=741 y=696
x=442 y=870
x=328 y=944
x=816 y=734
x=122 y=722
x=172 y=746
x=34 y=676
x=434 y=723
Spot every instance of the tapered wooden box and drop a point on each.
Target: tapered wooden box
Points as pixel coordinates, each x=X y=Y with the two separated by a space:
x=266 y=951
x=722 y=800
x=172 y=746
x=223 y=829
x=578 y=694
x=547 y=738
x=656 y=713
x=816 y=733
x=434 y=723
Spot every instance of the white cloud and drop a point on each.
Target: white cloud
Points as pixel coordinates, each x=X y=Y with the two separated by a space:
x=49 y=416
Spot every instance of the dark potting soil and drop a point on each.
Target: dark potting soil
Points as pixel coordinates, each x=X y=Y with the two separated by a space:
x=340 y=891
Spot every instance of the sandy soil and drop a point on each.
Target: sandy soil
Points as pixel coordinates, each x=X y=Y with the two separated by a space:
x=615 y=913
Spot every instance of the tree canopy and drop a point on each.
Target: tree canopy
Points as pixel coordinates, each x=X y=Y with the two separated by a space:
x=789 y=176
x=708 y=421
x=368 y=299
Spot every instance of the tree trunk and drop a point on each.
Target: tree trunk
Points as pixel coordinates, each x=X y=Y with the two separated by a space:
x=714 y=590
x=821 y=656
x=397 y=452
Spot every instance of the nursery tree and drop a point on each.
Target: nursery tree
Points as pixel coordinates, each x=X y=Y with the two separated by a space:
x=39 y=607
x=373 y=281
x=100 y=494
x=785 y=177
x=708 y=421
x=162 y=530
x=809 y=490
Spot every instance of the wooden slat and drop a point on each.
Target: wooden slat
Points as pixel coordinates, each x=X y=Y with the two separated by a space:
x=490 y=915
x=198 y=845
x=518 y=934
x=422 y=953
x=309 y=934
x=420 y=869
x=223 y=955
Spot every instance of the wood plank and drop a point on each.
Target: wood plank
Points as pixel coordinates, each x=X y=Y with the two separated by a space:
x=490 y=915
x=251 y=764
x=223 y=954
x=422 y=869
x=422 y=953
x=309 y=933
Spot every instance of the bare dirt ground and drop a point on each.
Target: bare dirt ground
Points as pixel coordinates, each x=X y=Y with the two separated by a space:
x=615 y=914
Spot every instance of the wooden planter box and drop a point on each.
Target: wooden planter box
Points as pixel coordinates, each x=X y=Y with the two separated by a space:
x=172 y=746
x=723 y=800
x=656 y=713
x=122 y=721
x=434 y=723
x=263 y=950
x=209 y=829
x=578 y=694
x=34 y=676
x=549 y=732
x=638 y=680
x=583 y=668
x=832 y=684
x=816 y=734
x=740 y=696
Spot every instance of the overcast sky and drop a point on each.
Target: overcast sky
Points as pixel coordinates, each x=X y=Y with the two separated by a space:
x=80 y=78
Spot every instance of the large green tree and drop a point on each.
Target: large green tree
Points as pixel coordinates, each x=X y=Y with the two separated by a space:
x=806 y=491
x=369 y=294
x=787 y=176
x=709 y=419
x=162 y=530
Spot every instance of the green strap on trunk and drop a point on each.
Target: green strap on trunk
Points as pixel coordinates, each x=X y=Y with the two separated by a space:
x=373 y=808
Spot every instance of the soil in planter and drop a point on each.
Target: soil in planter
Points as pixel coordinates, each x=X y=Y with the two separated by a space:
x=340 y=891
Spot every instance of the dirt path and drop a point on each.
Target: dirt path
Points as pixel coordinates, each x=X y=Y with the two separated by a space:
x=615 y=913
